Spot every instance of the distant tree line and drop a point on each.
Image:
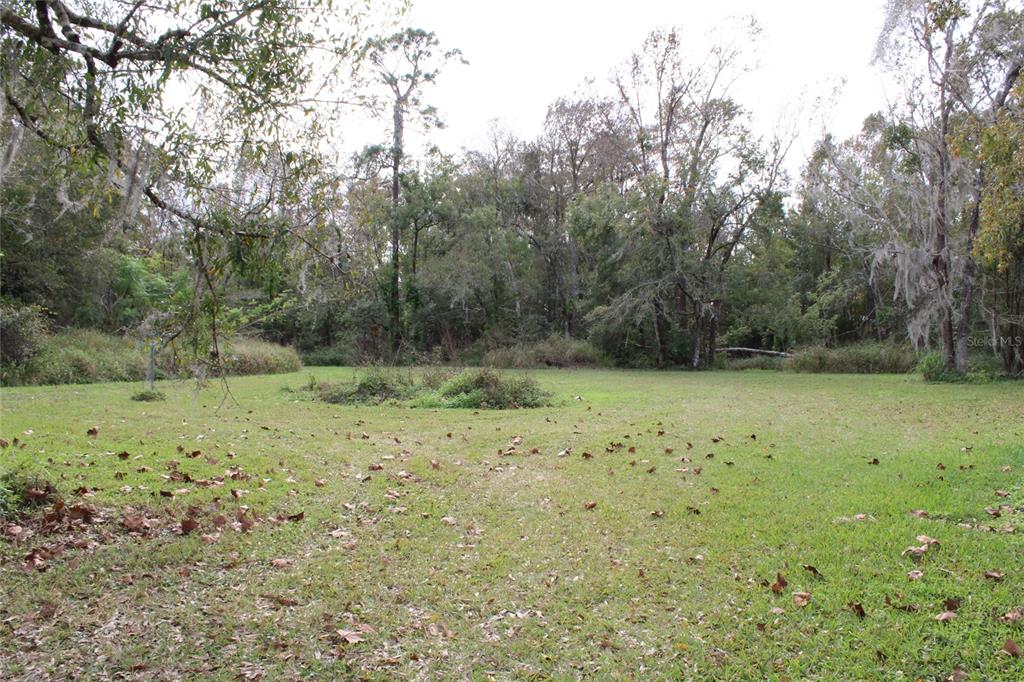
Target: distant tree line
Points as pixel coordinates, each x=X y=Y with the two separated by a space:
x=652 y=221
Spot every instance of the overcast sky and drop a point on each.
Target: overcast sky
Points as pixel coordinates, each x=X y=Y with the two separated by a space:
x=525 y=54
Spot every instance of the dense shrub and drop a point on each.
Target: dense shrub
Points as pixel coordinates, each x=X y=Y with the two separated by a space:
x=251 y=356
x=147 y=396
x=931 y=369
x=554 y=351
x=334 y=356
x=435 y=377
x=488 y=388
x=22 y=333
x=755 y=362
x=862 y=358
x=82 y=356
x=440 y=387
x=376 y=386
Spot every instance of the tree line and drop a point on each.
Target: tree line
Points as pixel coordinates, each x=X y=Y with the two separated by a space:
x=648 y=218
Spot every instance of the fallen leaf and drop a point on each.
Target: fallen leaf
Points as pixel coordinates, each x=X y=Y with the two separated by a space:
x=909 y=608
x=1012 y=616
x=915 y=575
x=995 y=575
x=779 y=584
x=813 y=571
x=858 y=609
x=590 y=506
x=945 y=616
x=283 y=601
x=94 y=431
x=915 y=553
x=1012 y=648
x=801 y=599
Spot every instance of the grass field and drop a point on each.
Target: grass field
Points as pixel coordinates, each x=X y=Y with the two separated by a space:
x=423 y=553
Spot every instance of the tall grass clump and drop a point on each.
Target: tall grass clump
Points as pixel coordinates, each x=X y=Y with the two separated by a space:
x=861 y=358
x=554 y=351
x=755 y=362
x=246 y=356
x=83 y=356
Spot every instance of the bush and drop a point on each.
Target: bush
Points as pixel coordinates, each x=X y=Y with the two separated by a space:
x=487 y=388
x=82 y=356
x=251 y=356
x=22 y=333
x=147 y=396
x=377 y=386
x=554 y=351
x=477 y=389
x=862 y=358
x=755 y=362
x=436 y=377
x=334 y=356
x=931 y=369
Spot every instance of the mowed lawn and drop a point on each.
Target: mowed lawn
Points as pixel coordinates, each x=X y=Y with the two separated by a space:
x=649 y=550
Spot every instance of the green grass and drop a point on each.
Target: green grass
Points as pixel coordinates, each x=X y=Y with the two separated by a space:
x=483 y=565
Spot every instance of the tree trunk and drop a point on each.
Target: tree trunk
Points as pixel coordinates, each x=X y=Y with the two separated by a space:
x=151 y=368
x=574 y=287
x=967 y=286
x=659 y=334
x=940 y=264
x=395 y=295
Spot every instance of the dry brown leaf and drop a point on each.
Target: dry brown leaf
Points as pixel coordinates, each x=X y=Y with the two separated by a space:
x=1012 y=616
x=779 y=584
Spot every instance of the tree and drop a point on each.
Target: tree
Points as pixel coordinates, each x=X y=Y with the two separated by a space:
x=1000 y=243
x=166 y=97
x=702 y=175
x=957 y=61
x=404 y=63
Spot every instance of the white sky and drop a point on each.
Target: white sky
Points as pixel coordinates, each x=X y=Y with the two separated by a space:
x=525 y=54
